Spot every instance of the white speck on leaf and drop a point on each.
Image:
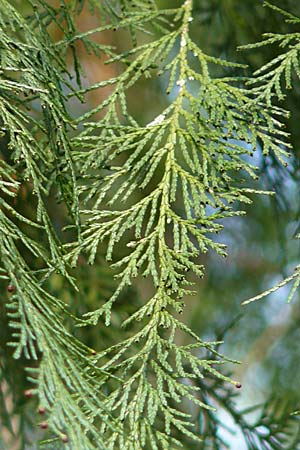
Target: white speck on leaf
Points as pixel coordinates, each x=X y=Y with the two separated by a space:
x=159 y=119
x=180 y=83
x=183 y=41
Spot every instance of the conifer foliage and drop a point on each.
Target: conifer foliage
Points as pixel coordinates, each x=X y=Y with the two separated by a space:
x=151 y=197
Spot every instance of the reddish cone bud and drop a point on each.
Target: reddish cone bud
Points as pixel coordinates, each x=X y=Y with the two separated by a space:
x=44 y=425
x=64 y=438
x=238 y=385
x=10 y=288
x=28 y=393
x=41 y=410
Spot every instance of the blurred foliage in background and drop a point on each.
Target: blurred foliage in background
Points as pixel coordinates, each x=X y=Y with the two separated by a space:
x=262 y=249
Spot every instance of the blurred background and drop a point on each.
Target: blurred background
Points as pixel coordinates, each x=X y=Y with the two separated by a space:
x=262 y=249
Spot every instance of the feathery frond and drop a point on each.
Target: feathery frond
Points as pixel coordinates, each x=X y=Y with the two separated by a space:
x=153 y=195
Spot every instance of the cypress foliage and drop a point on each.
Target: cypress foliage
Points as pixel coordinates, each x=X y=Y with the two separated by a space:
x=148 y=197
